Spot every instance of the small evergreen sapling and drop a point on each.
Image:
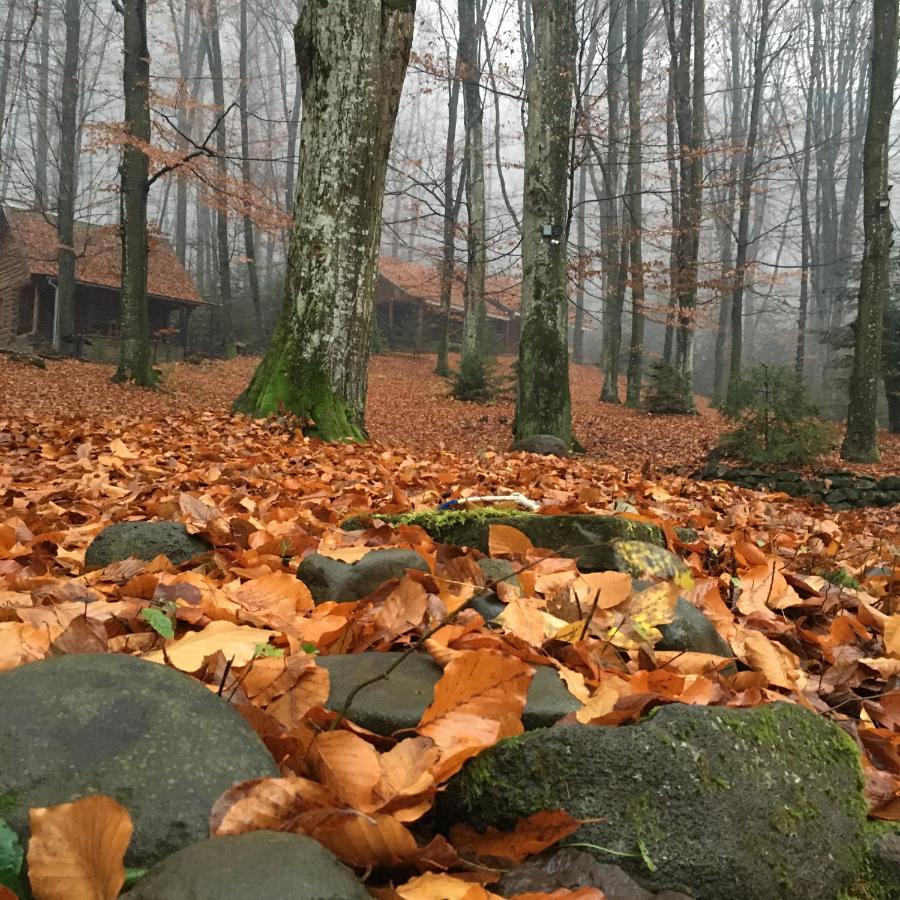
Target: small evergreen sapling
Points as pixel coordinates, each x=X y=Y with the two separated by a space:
x=776 y=422
x=666 y=393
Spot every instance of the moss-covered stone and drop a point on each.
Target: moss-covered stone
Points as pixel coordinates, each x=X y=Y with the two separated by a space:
x=144 y=540
x=585 y=538
x=755 y=804
x=157 y=741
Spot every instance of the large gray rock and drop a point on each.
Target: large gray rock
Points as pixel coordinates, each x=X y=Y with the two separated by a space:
x=157 y=741
x=398 y=702
x=332 y=579
x=259 y=864
x=144 y=540
x=723 y=802
x=586 y=538
x=542 y=444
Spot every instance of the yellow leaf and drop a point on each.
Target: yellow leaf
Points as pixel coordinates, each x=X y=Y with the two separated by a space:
x=892 y=636
x=440 y=886
x=77 y=850
x=237 y=642
x=641 y=558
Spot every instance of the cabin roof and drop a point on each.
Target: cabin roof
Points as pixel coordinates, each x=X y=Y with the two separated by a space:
x=98 y=250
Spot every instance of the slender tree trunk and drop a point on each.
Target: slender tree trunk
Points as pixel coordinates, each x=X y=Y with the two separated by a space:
x=249 y=242
x=580 y=297
x=861 y=441
x=675 y=195
x=68 y=174
x=743 y=234
x=448 y=263
x=544 y=402
x=217 y=77
x=690 y=88
x=637 y=18
x=352 y=56
x=5 y=65
x=891 y=363
x=613 y=238
x=476 y=235
x=135 y=362
x=42 y=138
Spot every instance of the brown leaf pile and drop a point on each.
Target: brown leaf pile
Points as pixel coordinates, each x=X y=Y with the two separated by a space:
x=265 y=497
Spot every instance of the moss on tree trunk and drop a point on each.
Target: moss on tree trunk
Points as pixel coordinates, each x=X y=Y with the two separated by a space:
x=544 y=404
x=352 y=56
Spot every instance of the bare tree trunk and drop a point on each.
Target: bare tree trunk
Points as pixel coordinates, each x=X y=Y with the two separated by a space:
x=135 y=363
x=470 y=25
x=217 y=77
x=249 y=242
x=861 y=441
x=674 y=244
x=68 y=176
x=612 y=234
x=42 y=138
x=743 y=233
x=6 y=64
x=448 y=263
x=580 y=296
x=352 y=56
x=544 y=402
x=637 y=17
x=690 y=87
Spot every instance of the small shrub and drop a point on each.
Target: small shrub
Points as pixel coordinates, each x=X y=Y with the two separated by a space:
x=475 y=382
x=777 y=423
x=668 y=392
x=841 y=578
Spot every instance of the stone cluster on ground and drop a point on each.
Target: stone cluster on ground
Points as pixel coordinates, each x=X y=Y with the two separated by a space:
x=764 y=803
x=839 y=488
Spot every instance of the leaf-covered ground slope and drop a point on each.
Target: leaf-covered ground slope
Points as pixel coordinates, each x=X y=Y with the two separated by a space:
x=409 y=406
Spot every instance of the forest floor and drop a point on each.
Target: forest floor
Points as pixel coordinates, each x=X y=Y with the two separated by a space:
x=809 y=599
x=409 y=408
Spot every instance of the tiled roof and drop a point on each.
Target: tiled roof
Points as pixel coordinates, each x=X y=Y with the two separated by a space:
x=98 y=251
x=423 y=281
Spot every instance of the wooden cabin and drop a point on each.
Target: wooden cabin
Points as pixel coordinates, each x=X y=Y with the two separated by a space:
x=28 y=274
x=408 y=306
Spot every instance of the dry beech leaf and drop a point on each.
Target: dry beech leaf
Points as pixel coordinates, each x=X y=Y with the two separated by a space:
x=236 y=642
x=77 y=850
x=479 y=700
x=275 y=589
x=504 y=540
x=348 y=767
x=530 y=836
x=440 y=886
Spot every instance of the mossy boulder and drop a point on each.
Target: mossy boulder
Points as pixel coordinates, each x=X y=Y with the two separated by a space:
x=144 y=540
x=333 y=579
x=399 y=701
x=749 y=804
x=542 y=445
x=155 y=740
x=585 y=538
x=259 y=864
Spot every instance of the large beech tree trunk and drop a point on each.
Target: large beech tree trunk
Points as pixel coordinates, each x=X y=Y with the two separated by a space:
x=352 y=56
x=134 y=361
x=861 y=441
x=544 y=404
